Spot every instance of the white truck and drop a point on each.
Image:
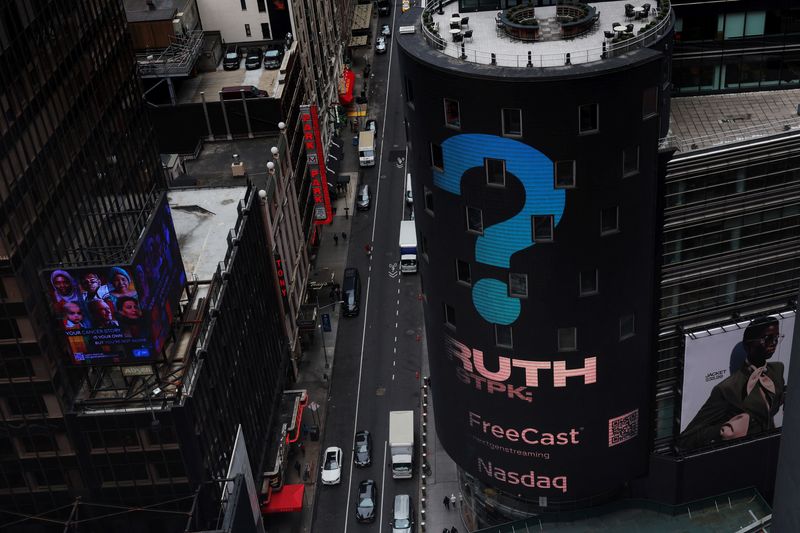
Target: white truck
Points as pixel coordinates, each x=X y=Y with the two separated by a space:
x=366 y=148
x=408 y=247
x=401 y=443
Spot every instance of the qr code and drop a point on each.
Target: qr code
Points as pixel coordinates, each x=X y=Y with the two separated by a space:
x=623 y=428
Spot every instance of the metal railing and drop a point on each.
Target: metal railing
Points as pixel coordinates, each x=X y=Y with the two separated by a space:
x=176 y=60
x=609 y=49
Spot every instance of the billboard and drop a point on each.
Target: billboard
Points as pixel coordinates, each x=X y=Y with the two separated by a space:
x=734 y=379
x=315 y=158
x=121 y=313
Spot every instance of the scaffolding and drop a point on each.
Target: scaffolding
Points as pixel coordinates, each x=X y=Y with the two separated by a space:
x=175 y=61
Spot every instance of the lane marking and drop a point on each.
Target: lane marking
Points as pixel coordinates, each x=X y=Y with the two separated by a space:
x=383 y=485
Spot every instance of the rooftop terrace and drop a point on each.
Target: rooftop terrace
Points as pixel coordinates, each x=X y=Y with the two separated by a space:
x=544 y=36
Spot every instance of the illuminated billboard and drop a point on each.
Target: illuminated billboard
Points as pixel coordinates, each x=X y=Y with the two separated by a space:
x=315 y=159
x=121 y=313
x=734 y=378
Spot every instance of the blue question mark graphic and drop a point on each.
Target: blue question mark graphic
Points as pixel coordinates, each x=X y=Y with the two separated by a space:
x=499 y=242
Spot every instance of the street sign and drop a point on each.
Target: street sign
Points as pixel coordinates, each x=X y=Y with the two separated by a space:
x=326 y=322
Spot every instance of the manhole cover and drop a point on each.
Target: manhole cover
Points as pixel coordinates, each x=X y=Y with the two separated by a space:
x=380 y=391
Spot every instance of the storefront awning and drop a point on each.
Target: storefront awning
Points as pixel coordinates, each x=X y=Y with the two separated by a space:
x=288 y=500
x=346 y=84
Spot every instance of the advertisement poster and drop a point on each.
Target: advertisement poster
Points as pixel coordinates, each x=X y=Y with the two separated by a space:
x=121 y=313
x=734 y=380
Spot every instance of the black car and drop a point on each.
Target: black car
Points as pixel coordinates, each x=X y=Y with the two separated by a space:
x=231 y=59
x=272 y=58
x=253 y=59
x=367 y=499
x=363 y=449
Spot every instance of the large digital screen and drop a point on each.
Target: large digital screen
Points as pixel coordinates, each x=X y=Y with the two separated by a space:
x=734 y=380
x=121 y=313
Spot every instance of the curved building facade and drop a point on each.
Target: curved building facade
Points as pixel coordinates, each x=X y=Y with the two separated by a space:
x=536 y=210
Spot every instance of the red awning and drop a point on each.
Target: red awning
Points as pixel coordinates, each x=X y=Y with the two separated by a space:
x=346 y=83
x=287 y=500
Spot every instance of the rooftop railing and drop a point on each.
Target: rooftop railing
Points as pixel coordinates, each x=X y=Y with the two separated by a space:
x=610 y=48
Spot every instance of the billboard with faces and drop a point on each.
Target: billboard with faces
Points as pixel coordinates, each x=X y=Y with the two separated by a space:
x=734 y=380
x=110 y=314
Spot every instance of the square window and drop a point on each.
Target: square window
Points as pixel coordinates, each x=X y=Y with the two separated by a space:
x=567 y=339
x=627 y=327
x=588 y=282
x=630 y=160
x=565 y=175
x=517 y=285
x=449 y=315
x=503 y=336
x=495 y=171
x=463 y=273
x=542 y=228
x=609 y=220
x=512 y=122
x=247 y=30
x=474 y=219
x=588 y=118
x=428 y=199
x=650 y=102
x=452 y=114
x=437 y=157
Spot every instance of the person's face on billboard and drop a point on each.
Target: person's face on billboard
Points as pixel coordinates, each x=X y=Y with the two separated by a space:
x=63 y=285
x=120 y=282
x=102 y=310
x=764 y=347
x=73 y=313
x=91 y=283
x=130 y=309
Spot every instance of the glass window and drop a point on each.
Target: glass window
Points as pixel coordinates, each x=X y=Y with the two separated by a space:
x=565 y=175
x=495 y=171
x=262 y=6
x=542 y=228
x=503 y=336
x=734 y=25
x=449 y=315
x=588 y=118
x=567 y=339
x=428 y=199
x=474 y=219
x=437 y=157
x=463 y=273
x=650 y=102
x=517 y=285
x=512 y=122
x=452 y=114
x=588 y=282
x=609 y=220
x=630 y=160
x=244 y=5
x=9 y=329
x=755 y=23
x=26 y=405
x=247 y=30
x=265 y=34
x=627 y=327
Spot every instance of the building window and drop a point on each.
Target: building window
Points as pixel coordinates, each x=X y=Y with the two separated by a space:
x=588 y=282
x=517 y=285
x=265 y=31
x=247 y=30
x=449 y=315
x=630 y=161
x=409 y=91
x=26 y=405
x=495 y=171
x=452 y=113
x=428 y=199
x=463 y=273
x=503 y=336
x=262 y=6
x=609 y=220
x=588 y=118
x=512 y=122
x=567 y=339
x=565 y=175
x=474 y=219
x=38 y=444
x=650 y=102
x=244 y=5
x=542 y=228
x=9 y=329
x=627 y=327
x=437 y=158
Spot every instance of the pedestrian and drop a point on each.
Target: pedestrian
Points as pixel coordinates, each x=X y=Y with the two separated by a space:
x=335 y=239
x=297 y=467
x=446 y=503
x=344 y=236
x=445 y=530
x=453 y=500
x=453 y=530
x=303 y=449
x=460 y=500
x=368 y=249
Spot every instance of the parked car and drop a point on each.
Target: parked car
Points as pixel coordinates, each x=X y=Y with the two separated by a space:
x=372 y=125
x=380 y=45
x=402 y=514
x=362 y=197
x=332 y=466
x=272 y=59
x=362 y=451
x=253 y=59
x=367 y=500
x=231 y=59
x=386 y=30
x=237 y=92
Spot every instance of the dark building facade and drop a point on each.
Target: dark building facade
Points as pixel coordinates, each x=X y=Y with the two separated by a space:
x=537 y=226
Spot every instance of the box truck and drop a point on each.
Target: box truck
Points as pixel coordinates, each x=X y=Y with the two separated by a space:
x=408 y=247
x=401 y=443
x=366 y=148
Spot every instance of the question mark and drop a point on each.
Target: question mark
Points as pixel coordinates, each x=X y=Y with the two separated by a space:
x=502 y=240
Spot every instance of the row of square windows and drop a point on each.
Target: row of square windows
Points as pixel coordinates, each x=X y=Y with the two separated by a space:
x=566 y=338
x=564 y=172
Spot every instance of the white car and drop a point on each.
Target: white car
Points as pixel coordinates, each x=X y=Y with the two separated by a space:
x=380 y=45
x=332 y=466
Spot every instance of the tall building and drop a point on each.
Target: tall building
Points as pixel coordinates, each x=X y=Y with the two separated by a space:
x=537 y=171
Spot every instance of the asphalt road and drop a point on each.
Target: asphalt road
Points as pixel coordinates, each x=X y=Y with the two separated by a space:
x=378 y=353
